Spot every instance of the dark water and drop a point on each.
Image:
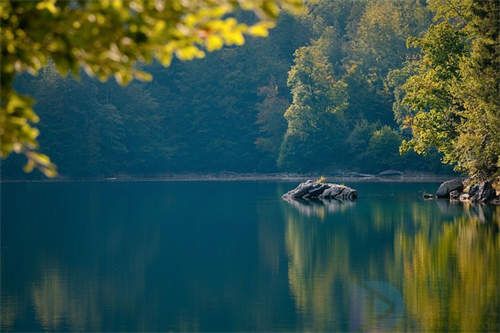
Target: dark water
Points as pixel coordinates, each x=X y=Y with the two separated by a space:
x=225 y=256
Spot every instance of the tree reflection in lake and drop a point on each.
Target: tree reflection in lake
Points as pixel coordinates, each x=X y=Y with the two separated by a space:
x=153 y=257
x=451 y=275
x=442 y=259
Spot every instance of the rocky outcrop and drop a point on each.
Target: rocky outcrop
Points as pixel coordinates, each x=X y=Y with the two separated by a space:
x=315 y=190
x=482 y=192
x=454 y=195
x=449 y=186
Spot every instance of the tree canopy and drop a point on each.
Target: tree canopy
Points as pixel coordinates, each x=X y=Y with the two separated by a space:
x=110 y=38
x=338 y=88
x=450 y=96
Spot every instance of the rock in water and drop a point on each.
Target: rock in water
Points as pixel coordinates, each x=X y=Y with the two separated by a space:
x=482 y=192
x=451 y=185
x=314 y=190
x=454 y=195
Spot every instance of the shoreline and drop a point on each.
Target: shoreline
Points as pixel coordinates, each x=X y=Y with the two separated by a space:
x=223 y=177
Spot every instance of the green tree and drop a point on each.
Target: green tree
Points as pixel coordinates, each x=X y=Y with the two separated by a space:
x=450 y=99
x=272 y=124
x=315 y=117
x=377 y=47
x=109 y=38
x=361 y=43
x=383 y=149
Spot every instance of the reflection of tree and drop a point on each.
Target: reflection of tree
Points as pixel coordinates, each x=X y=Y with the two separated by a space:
x=50 y=298
x=145 y=260
x=76 y=298
x=316 y=261
x=55 y=301
x=151 y=276
x=451 y=278
x=330 y=263
x=445 y=264
x=73 y=284
x=8 y=312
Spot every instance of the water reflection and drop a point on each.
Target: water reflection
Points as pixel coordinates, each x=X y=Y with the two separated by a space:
x=443 y=261
x=8 y=311
x=481 y=212
x=319 y=207
x=57 y=303
x=153 y=257
x=451 y=275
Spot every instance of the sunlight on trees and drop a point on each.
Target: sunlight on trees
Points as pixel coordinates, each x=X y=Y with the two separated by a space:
x=345 y=69
x=450 y=97
x=110 y=38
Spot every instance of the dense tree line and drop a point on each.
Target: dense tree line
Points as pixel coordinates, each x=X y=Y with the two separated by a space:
x=194 y=116
x=449 y=98
x=340 y=115
x=110 y=39
x=316 y=95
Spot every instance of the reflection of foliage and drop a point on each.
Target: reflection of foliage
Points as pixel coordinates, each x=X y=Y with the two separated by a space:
x=136 y=269
x=55 y=301
x=50 y=300
x=451 y=280
x=8 y=312
x=445 y=261
x=316 y=260
x=76 y=298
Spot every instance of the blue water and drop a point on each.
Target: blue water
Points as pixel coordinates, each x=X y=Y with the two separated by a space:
x=233 y=256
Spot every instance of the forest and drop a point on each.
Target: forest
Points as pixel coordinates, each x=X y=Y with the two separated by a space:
x=340 y=87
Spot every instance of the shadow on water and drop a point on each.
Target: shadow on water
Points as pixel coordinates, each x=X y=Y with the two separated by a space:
x=234 y=256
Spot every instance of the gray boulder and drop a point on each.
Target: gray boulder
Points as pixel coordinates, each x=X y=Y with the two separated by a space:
x=448 y=186
x=302 y=190
x=482 y=192
x=313 y=190
x=454 y=195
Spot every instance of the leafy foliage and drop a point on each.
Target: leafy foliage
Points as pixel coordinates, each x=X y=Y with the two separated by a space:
x=361 y=46
x=316 y=95
x=450 y=99
x=315 y=115
x=272 y=124
x=109 y=38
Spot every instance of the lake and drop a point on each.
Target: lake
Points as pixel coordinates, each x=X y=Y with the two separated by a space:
x=226 y=256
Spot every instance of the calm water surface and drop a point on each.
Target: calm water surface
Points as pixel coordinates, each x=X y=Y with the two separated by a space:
x=225 y=256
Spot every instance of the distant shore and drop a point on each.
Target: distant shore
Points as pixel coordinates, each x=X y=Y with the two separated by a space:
x=282 y=177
